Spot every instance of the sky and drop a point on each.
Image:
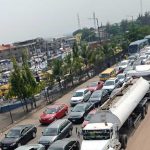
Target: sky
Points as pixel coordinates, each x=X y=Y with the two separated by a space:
x=26 y=19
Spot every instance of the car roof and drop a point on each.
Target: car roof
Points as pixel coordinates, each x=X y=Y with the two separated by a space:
x=82 y=104
x=20 y=127
x=62 y=143
x=108 y=70
x=111 y=79
x=54 y=106
x=81 y=90
x=29 y=147
x=57 y=123
x=121 y=74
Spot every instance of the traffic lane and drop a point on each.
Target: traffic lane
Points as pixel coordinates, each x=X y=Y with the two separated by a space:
x=34 y=118
x=139 y=138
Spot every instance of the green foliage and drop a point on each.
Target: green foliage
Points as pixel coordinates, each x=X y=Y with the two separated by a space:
x=22 y=81
x=86 y=34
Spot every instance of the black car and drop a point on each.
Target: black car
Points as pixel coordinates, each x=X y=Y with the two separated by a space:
x=99 y=97
x=59 y=129
x=17 y=136
x=65 y=144
x=80 y=111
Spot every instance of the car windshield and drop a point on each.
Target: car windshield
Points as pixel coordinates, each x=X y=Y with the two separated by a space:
x=120 y=76
x=123 y=63
x=109 y=83
x=93 y=84
x=104 y=75
x=50 y=110
x=96 y=94
x=96 y=134
x=13 y=133
x=133 y=48
x=78 y=94
x=50 y=132
x=80 y=108
x=88 y=117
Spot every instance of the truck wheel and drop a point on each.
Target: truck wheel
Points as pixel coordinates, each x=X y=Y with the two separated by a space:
x=143 y=113
x=124 y=141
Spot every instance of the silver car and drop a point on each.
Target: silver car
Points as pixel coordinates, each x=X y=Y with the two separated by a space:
x=31 y=147
x=59 y=129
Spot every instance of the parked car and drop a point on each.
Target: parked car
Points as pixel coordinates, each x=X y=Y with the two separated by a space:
x=99 y=97
x=31 y=147
x=88 y=117
x=132 y=59
x=121 y=77
x=80 y=111
x=53 y=112
x=93 y=86
x=59 y=129
x=111 y=84
x=65 y=144
x=80 y=96
x=18 y=136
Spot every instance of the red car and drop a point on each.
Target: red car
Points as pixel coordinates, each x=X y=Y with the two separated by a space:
x=88 y=117
x=93 y=86
x=53 y=112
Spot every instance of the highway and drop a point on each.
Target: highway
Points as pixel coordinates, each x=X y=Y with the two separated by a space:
x=138 y=140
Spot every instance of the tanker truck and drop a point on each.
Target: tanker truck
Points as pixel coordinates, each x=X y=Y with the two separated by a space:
x=110 y=126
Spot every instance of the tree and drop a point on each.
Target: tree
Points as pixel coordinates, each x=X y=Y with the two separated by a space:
x=57 y=70
x=23 y=84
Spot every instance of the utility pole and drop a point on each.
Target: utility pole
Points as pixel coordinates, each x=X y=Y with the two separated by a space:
x=98 y=28
x=78 y=19
x=141 y=7
x=94 y=19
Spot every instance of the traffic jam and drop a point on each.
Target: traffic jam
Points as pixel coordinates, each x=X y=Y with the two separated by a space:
x=59 y=119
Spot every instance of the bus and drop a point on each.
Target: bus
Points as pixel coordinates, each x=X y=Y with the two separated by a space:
x=137 y=46
x=148 y=38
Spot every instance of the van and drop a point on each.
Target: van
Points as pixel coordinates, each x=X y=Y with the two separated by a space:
x=106 y=74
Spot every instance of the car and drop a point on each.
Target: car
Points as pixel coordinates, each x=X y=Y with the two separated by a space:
x=18 y=136
x=111 y=84
x=88 y=117
x=53 y=112
x=99 y=97
x=93 y=86
x=128 y=69
x=31 y=147
x=123 y=64
x=79 y=112
x=121 y=77
x=132 y=58
x=143 y=58
x=65 y=144
x=59 y=129
x=80 y=96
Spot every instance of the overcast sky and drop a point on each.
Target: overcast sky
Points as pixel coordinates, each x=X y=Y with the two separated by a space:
x=26 y=19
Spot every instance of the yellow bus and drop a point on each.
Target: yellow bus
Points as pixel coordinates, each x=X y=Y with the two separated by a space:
x=106 y=74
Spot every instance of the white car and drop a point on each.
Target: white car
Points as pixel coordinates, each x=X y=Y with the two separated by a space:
x=111 y=84
x=124 y=64
x=79 y=96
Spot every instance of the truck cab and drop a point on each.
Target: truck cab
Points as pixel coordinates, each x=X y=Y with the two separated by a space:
x=100 y=136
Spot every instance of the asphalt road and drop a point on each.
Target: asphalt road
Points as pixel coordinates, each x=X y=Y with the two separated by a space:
x=138 y=140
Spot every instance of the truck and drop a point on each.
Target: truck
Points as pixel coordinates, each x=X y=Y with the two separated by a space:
x=110 y=127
